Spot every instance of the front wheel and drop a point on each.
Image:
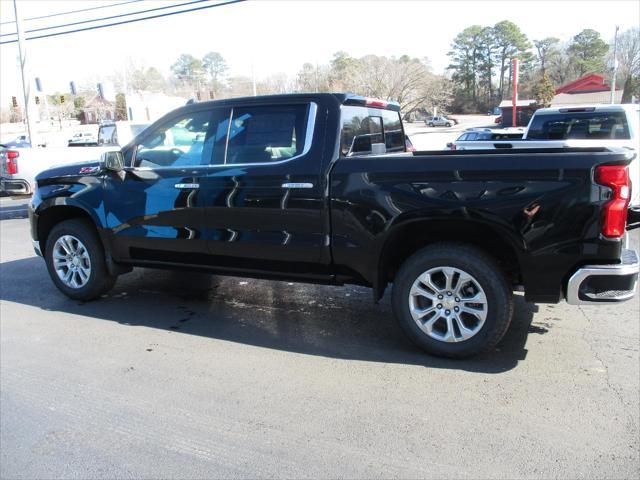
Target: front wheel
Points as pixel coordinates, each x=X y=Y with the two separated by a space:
x=76 y=261
x=431 y=125
x=452 y=300
x=448 y=125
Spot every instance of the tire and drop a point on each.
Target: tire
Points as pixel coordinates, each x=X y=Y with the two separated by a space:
x=448 y=125
x=91 y=277
x=484 y=323
x=431 y=125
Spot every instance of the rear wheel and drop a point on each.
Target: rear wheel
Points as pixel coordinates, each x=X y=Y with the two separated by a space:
x=452 y=300
x=76 y=261
x=448 y=124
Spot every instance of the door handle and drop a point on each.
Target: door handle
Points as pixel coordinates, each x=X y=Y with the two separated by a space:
x=187 y=186
x=297 y=185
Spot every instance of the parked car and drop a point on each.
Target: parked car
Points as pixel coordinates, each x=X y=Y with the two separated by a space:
x=82 y=139
x=8 y=170
x=21 y=141
x=581 y=126
x=484 y=135
x=455 y=120
x=17 y=176
x=439 y=121
x=320 y=188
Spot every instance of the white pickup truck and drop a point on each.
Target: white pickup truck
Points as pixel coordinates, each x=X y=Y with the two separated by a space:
x=577 y=126
x=19 y=166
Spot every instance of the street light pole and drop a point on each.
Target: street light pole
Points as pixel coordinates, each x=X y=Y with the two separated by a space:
x=615 y=66
x=23 y=58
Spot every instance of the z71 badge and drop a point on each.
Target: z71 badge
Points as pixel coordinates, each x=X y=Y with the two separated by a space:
x=86 y=170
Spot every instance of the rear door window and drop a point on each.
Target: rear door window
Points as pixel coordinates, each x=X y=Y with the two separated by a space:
x=368 y=131
x=580 y=125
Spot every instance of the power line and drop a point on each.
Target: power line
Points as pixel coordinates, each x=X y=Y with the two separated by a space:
x=75 y=11
x=107 y=18
x=128 y=21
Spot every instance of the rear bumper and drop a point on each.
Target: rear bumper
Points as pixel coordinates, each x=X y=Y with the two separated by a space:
x=605 y=283
x=13 y=186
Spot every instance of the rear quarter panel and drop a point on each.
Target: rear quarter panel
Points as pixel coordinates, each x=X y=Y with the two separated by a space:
x=544 y=205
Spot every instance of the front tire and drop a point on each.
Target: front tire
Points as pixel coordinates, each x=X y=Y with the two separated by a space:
x=452 y=300
x=76 y=261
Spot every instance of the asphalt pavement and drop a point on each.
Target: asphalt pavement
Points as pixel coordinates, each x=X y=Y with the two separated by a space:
x=181 y=375
x=436 y=138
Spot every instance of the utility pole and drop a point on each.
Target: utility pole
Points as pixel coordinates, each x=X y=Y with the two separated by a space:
x=253 y=80
x=615 y=66
x=514 y=98
x=23 y=58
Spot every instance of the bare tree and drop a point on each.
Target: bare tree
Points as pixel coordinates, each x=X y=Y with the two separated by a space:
x=629 y=58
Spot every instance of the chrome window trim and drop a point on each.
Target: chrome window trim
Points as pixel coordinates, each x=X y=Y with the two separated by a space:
x=311 y=123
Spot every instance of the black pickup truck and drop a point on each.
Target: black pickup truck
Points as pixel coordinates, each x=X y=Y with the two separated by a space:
x=321 y=188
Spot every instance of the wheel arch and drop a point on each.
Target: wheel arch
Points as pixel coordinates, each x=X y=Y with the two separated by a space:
x=410 y=236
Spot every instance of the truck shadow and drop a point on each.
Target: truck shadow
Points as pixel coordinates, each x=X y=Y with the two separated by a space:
x=336 y=322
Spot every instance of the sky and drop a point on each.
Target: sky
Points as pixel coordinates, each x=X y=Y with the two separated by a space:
x=279 y=36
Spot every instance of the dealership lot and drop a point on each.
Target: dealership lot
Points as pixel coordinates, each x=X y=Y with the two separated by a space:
x=187 y=375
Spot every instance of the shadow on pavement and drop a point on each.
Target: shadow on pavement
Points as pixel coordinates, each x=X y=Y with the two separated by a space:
x=337 y=322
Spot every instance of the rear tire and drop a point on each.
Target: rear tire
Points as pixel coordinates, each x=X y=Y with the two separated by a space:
x=440 y=317
x=76 y=261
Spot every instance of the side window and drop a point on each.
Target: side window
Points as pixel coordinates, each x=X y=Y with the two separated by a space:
x=393 y=134
x=370 y=130
x=263 y=134
x=193 y=139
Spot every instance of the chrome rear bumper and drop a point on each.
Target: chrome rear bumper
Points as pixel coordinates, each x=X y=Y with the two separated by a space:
x=605 y=283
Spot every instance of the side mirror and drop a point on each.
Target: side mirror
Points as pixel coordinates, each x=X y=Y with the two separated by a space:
x=113 y=161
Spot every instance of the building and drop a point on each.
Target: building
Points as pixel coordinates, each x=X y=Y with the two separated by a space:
x=589 y=89
x=524 y=111
x=586 y=90
x=149 y=106
x=98 y=110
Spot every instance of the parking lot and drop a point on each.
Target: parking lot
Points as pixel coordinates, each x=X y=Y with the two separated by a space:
x=190 y=376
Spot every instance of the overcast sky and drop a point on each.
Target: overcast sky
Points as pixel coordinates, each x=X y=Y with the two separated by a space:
x=279 y=36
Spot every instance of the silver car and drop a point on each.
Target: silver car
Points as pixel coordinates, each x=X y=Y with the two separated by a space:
x=439 y=121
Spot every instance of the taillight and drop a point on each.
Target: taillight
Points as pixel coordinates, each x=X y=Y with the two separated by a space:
x=614 y=215
x=375 y=102
x=408 y=145
x=12 y=162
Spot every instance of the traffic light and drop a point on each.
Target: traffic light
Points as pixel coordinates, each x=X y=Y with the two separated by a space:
x=37 y=100
x=14 y=102
x=61 y=99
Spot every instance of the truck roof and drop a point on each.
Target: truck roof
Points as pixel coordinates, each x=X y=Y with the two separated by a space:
x=616 y=107
x=345 y=98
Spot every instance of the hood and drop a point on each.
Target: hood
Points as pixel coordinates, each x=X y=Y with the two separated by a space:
x=78 y=169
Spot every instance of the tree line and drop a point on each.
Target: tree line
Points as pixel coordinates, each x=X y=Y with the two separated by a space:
x=477 y=79
x=480 y=63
